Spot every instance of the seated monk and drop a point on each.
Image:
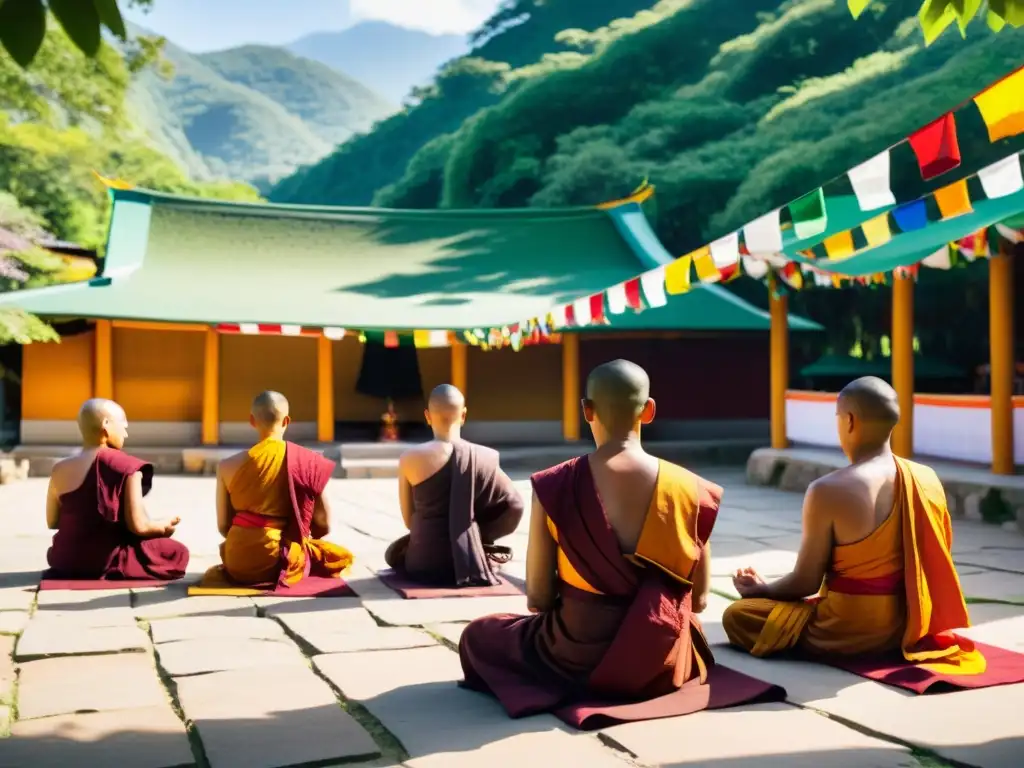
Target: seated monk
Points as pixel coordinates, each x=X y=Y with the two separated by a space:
x=874 y=573
x=95 y=504
x=456 y=502
x=272 y=509
x=616 y=569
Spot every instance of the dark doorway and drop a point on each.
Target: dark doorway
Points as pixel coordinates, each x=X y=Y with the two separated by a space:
x=10 y=395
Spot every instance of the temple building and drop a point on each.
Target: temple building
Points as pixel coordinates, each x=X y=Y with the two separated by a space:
x=200 y=304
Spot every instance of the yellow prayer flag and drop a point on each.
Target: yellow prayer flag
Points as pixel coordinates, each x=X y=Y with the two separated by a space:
x=421 y=339
x=677 y=275
x=953 y=199
x=1002 y=106
x=704 y=264
x=876 y=230
x=839 y=245
x=837 y=281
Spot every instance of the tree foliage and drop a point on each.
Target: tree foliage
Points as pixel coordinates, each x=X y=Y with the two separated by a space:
x=938 y=15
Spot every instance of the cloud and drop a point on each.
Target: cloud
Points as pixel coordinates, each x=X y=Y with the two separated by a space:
x=435 y=16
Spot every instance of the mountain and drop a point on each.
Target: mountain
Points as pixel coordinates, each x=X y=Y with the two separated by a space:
x=391 y=60
x=254 y=113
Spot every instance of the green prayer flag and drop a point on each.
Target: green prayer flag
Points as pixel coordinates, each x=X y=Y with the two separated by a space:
x=809 y=215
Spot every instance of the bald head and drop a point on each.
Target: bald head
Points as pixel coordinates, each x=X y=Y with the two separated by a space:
x=100 y=421
x=873 y=403
x=269 y=410
x=618 y=392
x=445 y=398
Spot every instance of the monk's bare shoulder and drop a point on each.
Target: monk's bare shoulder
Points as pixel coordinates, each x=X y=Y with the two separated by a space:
x=227 y=467
x=67 y=474
x=836 y=491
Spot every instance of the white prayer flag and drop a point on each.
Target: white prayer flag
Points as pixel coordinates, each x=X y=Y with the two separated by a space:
x=821 y=279
x=581 y=311
x=334 y=334
x=870 y=181
x=1013 y=235
x=1002 y=178
x=438 y=338
x=755 y=268
x=941 y=259
x=617 y=299
x=764 y=234
x=249 y=329
x=291 y=330
x=653 y=285
x=725 y=251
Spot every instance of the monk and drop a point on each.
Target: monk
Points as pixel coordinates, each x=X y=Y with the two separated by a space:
x=617 y=567
x=272 y=509
x=95 y=503
x=456 y=503
x=874 y=573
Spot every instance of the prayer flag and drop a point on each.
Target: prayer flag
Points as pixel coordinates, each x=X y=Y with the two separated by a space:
x=597 y=309
x=754 y=267
x=1002 y=178
x=725 y=251
x=810 y=217
x=1002 y=106
x=633 y=300
x=792 y=276
x=953 y=199
x=871 y=184
x=617 y=299
x=390 y=339
x=911 y=216
x=1013 y=235
x=421 y=339
x=653 y=284
x=764 y=234
x=876 y=230
x=570 y=315
x=704 y=264
x=941 y=259
x=581 y=311
x=821 y=279
x=936 y=147
x=334 y=334
x=839 y=245
x=677 y=275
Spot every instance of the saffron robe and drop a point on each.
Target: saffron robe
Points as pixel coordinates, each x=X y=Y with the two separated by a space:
x=270 y=544
x=93 y=540
x=623 y=628
x=458 y=514
x=895 y=591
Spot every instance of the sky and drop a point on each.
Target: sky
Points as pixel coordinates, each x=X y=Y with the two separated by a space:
x=208 y=25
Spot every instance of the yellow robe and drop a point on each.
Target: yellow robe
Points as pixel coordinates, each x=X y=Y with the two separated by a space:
x=917 y=617
x=253 y=555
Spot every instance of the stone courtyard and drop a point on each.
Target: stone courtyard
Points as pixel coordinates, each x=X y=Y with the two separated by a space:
x=152 y=679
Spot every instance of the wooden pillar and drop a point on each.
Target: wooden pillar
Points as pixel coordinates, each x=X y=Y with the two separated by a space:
x=1001 y=358
x=570 y=387
x=903 y=361
x=779 y=350
x=324 y=390
x=211 y=389
x=460 y=371
x=103 y=360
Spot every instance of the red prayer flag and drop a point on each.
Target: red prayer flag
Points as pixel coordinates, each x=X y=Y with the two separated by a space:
x=570 y=315
x=633 y=300
x=597 y=308
x=390 y=338
x=936 y=147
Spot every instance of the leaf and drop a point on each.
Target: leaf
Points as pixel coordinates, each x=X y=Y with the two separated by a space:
x=22 y=28
x=935 y=16
x=81 y=21
x=857 y=7
x=965 y=11
x=110 y=15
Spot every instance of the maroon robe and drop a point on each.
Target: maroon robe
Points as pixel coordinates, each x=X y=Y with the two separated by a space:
x=93 y=540
x=634 y=652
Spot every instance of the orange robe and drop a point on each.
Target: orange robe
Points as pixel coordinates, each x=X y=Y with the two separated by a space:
x=268 y=542
x=896 y=590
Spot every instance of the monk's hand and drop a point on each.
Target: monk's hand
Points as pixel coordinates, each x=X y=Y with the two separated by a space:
x=171 y=525
x=748 y=582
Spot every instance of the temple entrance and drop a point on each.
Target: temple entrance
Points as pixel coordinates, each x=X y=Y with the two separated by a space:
x=10 y=395
x=391 y=376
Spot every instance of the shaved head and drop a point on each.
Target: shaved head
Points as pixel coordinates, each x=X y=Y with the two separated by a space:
x=872 y=403
x=100 y=419
x=618 y=392
x=444 y=398
x=269 y=409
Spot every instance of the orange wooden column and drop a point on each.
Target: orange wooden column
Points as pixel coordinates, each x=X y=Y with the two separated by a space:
x=211 y=389
x=1001 y=358
x=903 y=361
x=103 y=360
x=570 y=387
x=779 y=351
x=324 y=390
x=460 y=368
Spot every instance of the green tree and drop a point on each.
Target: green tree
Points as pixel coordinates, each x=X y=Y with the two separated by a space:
x=938 y=15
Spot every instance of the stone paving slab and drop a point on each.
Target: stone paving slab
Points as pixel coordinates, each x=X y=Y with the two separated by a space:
x=376 y=639
x=323 y=607
x=400 y=612
x=173 y=601
x=1003 y=559
x=339 y=620
x=1000 y=625
x=773 y=736
x=62 y=637
x=215 y=627
x=16 y=598
x=7 y=671
x=88 y=684
x=450 y=631
x=153 y=737
x=196 y=657
x=993 y=585
x=83 y=599
x=414 y=695
x=767 y=562
x=13 y=622
x=245 y=722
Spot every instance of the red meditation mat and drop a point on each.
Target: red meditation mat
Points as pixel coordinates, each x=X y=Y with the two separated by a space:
x=311 y=586
x=412 y=590
x=724 y=688
x=1004 y=667
x=85 y=584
